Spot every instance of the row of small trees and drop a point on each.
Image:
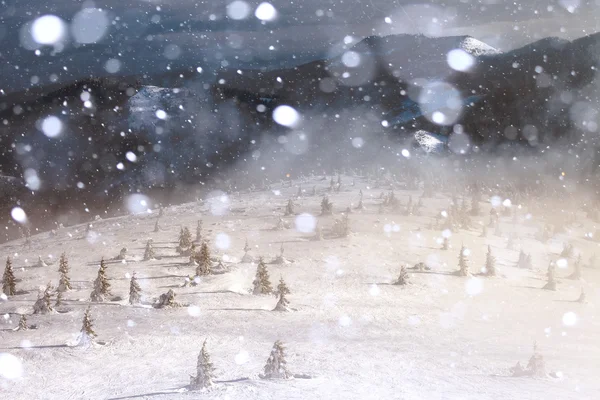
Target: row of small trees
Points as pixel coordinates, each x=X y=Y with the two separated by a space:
x=275 y=368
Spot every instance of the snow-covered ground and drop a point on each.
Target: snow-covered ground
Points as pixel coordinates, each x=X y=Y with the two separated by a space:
x=441 y=337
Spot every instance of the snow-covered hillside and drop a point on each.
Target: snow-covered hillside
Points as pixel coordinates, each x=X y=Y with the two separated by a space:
x=350 y=334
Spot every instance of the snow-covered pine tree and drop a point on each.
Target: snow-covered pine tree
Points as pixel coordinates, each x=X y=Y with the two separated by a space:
x=149 y=251
x=490 y=263
x=510 y=242
x=134 y=290
x=23 y=323
x=247 y=258
x=528 y=263
x=576 y=275
x=289 y=208
x=402 y=277
x=199 y=231
x=122 y=254
x=299 y=192
x=185 y=238
x=59 y=298
x=318 y=233
x=463 y=264
x=262 y=283
x=536 y=365
x=581 y=298
x=43 y=304
x=101 y=285
x=193 y=255
x=87 y=325
x=276 y=367
x=40 y=263
x=551 y=283
x=446 y=244
x=341 y=227
x=204 y=263
x=9 y=283
x=156 y=226
x=326 y=206
x=360 y=205
x=205 y=372
x=167 y=300
x=282 y=291
x=64 y=283
x=567 y=251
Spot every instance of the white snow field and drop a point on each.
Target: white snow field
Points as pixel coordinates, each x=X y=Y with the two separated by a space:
x=356 y=335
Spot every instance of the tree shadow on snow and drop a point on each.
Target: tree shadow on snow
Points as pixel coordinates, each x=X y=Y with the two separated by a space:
x=136 y=396
x=48 y=346
x=412 y=271
x=239 y=309
x=214 y=292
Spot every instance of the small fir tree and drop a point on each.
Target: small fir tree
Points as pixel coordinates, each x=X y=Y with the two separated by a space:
x=193 y=255
x=341 y=227
x=326 y=206
x=446 y=244
x=203 y=260
x=23 y=323
x=43 y=303
x=167 y=300
x=262 y=283
x=551 y=283
x=536 y=365
x=205 y=372
x=101 y=284
x=318 y=233
x=149 y=251
x=567 y=251
x=282 y=290
x=463 y=264
x=59 y=298
x=289 y=208
x=581 y=298
x=9 y=283
x=199 y=231
x=134 y=290
x=490 y=263
x=576 y=275
x=87 y=325
x=402 y=277
x=276 y=367
x=510 y=242
x=247 y=258
x=122 y=254
x=185 y=238
x=41 y=263
x=64 y=283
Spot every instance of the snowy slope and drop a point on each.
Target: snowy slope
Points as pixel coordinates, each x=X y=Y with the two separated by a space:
x=442 y=337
